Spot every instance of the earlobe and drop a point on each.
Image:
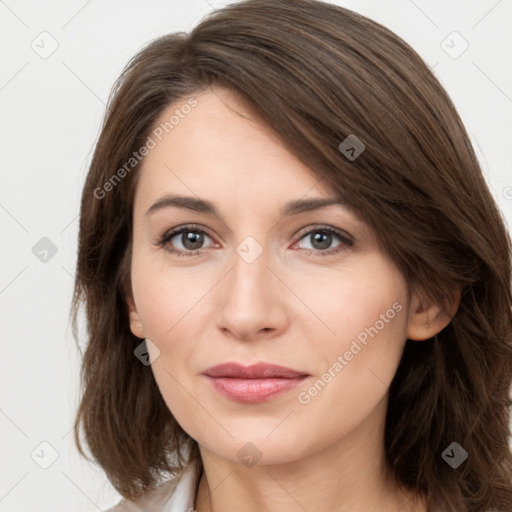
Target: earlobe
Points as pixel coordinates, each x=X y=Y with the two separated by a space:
x=135 y=321
x=136 y=326
x=426 y=319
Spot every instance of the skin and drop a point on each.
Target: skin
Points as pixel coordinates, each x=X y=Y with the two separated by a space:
x=289 y=307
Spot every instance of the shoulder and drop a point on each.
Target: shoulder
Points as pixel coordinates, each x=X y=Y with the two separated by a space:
x=175 y=495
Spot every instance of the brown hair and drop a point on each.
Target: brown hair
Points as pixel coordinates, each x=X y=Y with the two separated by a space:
x=317 y=73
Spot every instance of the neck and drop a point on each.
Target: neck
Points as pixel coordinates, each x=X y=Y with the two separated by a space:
x=348 y=475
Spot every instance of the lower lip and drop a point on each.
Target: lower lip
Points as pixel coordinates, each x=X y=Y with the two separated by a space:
x=253 y=390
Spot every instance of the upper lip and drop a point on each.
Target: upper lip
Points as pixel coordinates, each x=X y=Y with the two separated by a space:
x=255 y=371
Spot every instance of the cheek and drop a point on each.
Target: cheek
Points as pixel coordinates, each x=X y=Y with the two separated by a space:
x=173 y=303
x=167 y=298
x=364 y=299
x=356 y=362
x=169 y=308
x=359 y=342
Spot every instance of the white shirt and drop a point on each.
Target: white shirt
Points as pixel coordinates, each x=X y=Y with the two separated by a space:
x=176 y=495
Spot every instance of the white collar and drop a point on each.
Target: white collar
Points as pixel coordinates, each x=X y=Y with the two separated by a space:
x=176 y=495
x=184 y=495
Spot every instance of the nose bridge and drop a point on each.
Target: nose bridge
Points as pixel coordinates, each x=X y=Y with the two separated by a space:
x=250 y=299
x=249 y=277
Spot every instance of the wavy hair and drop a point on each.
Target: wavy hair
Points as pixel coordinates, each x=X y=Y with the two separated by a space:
x=316 y=73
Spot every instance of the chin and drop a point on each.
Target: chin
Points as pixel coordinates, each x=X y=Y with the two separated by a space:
x=252 y=447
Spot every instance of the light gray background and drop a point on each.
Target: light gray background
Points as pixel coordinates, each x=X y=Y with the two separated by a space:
x=51 y=112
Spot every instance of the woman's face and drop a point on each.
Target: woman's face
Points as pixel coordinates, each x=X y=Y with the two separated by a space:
x=307 y=289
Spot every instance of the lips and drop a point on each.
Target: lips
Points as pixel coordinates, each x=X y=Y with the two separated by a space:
x=256 y=371
x=253 y=384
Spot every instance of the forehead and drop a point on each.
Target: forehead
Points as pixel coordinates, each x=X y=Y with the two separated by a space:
x=221 y=147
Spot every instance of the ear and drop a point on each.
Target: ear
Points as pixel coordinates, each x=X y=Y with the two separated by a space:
x=426 y=318
x=135 y=321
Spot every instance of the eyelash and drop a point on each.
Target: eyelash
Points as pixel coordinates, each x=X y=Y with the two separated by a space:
x=169 y=235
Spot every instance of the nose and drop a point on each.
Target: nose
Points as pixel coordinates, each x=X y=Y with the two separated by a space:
x=251 y=300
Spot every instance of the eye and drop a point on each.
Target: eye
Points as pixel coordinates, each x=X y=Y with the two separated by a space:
x=321 y=239
x=190 y=237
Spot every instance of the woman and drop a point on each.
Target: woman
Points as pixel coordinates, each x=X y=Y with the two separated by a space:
x=336 y=333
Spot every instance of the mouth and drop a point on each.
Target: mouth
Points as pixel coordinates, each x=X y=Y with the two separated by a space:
x=253 y=384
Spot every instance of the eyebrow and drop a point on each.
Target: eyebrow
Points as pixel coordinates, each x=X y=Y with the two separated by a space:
x=208 y=208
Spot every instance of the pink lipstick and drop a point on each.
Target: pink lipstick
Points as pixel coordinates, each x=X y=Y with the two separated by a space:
x=255 y=383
